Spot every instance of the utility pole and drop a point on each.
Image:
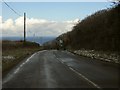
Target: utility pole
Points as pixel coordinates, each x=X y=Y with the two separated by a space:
x=34 y=37
x=24 y=27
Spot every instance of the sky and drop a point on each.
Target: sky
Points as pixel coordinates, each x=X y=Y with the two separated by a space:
x=46 y=18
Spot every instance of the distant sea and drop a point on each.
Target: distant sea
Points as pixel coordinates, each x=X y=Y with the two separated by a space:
x=39 y=40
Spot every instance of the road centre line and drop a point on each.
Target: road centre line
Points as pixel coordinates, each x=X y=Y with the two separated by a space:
x=95 y=85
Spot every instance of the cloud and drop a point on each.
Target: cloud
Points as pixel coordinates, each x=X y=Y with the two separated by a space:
x=0 y=26
x=39 y=27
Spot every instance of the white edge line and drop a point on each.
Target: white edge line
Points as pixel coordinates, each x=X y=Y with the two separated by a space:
x=24 y=63
x=16 y=70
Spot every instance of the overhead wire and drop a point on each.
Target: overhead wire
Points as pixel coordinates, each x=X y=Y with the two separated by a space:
x=11 y=8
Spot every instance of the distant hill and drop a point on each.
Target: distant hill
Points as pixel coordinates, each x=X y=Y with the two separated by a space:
x=99 y=31
x=10 y=45
x=39 y=40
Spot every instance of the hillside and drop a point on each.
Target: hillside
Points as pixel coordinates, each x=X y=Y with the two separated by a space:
x=99 y=31
x=97 y=36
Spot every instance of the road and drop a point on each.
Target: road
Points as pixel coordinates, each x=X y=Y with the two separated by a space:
x=61 y=69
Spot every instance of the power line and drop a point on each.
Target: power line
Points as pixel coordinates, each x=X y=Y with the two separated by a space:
x=11 y=8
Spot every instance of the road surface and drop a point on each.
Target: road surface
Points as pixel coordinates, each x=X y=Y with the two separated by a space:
x=61 y=69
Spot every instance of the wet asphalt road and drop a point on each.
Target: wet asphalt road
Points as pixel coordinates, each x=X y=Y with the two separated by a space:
x=61 y=69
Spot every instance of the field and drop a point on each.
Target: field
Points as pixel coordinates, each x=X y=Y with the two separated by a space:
x=15 y=51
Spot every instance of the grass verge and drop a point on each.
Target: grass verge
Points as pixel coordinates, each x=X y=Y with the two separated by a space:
x=107 y=56
x=14 y=52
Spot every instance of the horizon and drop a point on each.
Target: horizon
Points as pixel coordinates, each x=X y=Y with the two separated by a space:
x=39 y=40
x=53 y=18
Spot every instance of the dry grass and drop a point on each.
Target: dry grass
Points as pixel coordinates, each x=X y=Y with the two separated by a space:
x=15 y=51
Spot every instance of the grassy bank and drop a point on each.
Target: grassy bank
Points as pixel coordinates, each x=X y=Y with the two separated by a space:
x=100 y=55
x=14 y=52
x=99 y=31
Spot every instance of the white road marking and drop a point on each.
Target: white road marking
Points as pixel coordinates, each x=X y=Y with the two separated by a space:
x=95 y=85
x=16 y=70
x=85 y=78
x=23 y=64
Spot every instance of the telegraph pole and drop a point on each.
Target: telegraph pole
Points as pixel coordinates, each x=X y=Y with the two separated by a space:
x=24 y=27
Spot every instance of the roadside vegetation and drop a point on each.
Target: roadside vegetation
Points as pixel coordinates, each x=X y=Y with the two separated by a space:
x=99 y=33
x=101 y=55
x=14 y=52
